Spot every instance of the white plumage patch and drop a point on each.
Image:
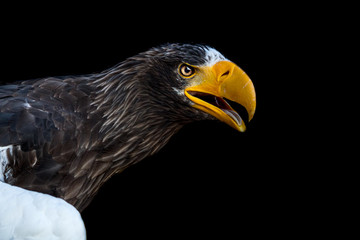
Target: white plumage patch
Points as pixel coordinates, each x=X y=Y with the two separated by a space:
x=213 y=56
x=4 y=171
x=31 y=215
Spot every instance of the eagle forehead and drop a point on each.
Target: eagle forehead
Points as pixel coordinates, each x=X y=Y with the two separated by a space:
x=212 y=56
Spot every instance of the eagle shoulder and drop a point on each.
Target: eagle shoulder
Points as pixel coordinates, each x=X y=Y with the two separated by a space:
x=26 y=214
x=39 y=122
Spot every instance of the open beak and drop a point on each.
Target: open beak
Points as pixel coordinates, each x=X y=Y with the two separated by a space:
x=223 y=80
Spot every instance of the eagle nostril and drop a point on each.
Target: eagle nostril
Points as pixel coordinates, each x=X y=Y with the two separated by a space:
x=224 y=75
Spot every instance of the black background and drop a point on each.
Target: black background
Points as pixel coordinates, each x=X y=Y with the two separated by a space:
x=209 y=180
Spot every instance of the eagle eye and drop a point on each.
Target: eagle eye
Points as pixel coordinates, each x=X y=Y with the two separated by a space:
x=186 y=70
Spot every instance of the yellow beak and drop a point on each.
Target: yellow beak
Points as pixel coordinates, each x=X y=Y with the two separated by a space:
x=223 y=80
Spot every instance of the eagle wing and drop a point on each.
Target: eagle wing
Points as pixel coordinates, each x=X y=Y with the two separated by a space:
x=35 y=116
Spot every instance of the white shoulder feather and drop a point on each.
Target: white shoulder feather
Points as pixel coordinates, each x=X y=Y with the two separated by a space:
x=26 y=214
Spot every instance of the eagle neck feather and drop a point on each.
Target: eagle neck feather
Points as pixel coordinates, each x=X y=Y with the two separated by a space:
x=133 y=122
x=129 y=125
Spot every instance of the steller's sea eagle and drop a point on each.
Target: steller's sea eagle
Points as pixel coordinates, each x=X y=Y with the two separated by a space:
x=65 y=136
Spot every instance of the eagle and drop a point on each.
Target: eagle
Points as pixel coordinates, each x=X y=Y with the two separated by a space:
x=66 y=136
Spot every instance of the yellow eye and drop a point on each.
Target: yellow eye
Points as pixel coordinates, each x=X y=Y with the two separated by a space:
x=186 y=70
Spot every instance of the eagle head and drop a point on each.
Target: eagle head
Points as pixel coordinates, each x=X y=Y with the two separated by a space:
x=195 y=82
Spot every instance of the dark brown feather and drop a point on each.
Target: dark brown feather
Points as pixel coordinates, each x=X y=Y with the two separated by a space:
x=71 y=134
